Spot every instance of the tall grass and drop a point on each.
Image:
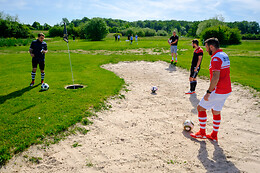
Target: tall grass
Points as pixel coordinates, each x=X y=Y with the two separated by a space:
x=14 y=42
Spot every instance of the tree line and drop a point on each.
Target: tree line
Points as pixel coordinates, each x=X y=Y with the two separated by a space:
x=10 y=27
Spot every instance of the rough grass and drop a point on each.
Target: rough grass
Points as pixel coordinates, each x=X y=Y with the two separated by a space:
x=27 y=115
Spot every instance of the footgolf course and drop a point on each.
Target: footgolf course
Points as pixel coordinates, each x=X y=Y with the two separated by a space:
x=29 y=116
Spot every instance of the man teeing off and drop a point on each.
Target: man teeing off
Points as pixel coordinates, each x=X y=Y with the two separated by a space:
x=37 y=50
x=195 y=66
x=173 y=42
x=218 y=91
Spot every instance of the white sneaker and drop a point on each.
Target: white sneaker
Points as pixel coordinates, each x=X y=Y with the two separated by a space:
x=190 y=92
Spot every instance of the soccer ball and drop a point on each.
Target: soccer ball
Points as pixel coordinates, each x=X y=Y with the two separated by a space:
x=188 y=125
x=44 y=86
x=154 y=89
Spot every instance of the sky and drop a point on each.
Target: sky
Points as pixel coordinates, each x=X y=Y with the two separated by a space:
x=52 y=11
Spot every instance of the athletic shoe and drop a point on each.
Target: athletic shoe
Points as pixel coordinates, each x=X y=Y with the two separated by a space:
x=215 y=139
x=198 y=135
x=42 y=81
x=176 y=61
x=171 y=61
x=190 y=92
x=32 y=83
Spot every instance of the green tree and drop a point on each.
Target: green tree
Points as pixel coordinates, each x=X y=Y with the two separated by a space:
x=36 y=25
x=225 y=35
x=209 y=23
x=96 y=29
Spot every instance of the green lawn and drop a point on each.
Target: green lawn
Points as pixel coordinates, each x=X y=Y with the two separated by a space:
x=27 y=115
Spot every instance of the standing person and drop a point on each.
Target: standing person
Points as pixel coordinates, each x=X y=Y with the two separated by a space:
x=218 y=91
x=173 y=42
x=136 y=38
x=195 y=65
x=118 y=37
x=115 y=37
x=131 y=38
x=37 y=51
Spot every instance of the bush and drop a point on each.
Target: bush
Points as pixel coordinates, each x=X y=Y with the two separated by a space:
x=95 y=29
x=149 y=32
x=56 y=31
x=251 y=37
x=14 y=42
x=13 y=29
x=225 y=35
x=162 y=33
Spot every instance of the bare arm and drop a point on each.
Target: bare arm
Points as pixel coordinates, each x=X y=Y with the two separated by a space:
x=31 y=52
x=198 y=63
x=174 y=41
x=213 y=83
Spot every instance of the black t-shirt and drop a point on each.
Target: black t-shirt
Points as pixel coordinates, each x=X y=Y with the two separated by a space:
x=37 y=47
x=173 y=38
x=197 y=52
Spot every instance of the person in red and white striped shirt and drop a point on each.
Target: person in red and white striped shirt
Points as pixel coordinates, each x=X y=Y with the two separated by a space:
x=218 y=91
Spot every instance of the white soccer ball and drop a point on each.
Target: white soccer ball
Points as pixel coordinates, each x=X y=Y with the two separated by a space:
x=188 y=125
x=44 y=86
x=154 y=89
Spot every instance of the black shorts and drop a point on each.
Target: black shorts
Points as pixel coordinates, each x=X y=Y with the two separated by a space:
x=192 y=73
x=41 y=64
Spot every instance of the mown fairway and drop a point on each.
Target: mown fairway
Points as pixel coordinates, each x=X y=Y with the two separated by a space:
x=27 y=116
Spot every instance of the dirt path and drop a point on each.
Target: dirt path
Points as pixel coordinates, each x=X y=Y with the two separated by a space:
x=143 y=132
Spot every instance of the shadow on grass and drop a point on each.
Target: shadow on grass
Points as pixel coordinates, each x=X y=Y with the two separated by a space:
x=28 y=107
x=16 y=93
x=218 y=163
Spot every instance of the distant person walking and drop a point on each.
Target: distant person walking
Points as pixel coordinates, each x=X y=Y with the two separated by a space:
x=136 y=38
x=131 y=38
x=118 y=37
x=115 y=37
x=218 y=91
x=37 y=50
x=195 y=66
x=173 y=42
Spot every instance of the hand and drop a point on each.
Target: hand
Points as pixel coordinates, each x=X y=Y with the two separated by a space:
x=206 y=96
x=195 y=70
x=32 y=55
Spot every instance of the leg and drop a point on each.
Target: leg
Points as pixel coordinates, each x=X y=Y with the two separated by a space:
x=42 y=65
x=202 y=119
x=216 y=122
x=33 y=73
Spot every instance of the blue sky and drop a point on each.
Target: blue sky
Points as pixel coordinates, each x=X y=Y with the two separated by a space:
x=52 y=11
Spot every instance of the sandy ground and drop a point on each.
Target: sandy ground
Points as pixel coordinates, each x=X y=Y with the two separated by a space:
x=144 y=132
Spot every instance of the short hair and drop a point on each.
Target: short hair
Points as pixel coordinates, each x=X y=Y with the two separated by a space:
x=41 y=34
x=195 y=41
x=212 y=41
x=174 y=31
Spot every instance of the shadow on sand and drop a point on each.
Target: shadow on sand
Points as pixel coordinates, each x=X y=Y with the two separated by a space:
x=218 y=163
x=171 y=68
x=16 y=93
x=194 y=101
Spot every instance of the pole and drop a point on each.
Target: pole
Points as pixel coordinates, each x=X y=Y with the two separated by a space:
x=71 y=65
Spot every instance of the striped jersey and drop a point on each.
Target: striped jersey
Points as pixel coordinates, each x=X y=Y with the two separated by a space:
x=220 y=62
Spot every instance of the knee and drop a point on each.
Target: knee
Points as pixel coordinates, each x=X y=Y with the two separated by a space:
x=199 y=108
x=215 y=112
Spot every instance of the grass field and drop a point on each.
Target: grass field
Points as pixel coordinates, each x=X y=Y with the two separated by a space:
x=27 y=115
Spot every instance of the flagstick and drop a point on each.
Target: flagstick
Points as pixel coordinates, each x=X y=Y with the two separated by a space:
x=70 y=65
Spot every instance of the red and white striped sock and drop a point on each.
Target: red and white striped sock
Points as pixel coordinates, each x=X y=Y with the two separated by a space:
x=216 y=123
x=202 y=120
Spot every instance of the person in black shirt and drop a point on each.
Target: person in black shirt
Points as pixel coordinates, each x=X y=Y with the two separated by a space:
x=37 y=50
x=195 y=65
x=173 y=42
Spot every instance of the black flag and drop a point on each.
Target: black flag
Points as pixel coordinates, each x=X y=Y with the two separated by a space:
x=65 y=34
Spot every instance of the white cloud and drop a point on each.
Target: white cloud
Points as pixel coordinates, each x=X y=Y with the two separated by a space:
x=133 y=10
